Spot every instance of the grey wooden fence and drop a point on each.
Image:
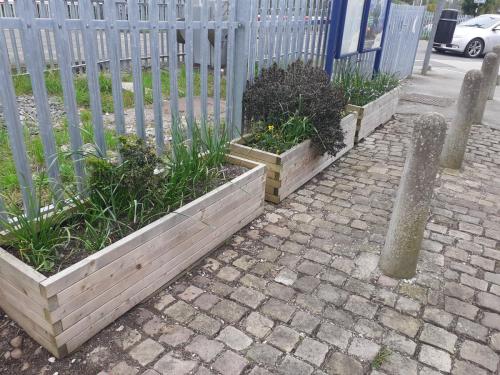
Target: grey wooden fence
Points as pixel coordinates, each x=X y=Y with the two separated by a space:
x=229 y=40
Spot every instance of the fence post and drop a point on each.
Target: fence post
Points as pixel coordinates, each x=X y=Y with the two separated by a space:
x=241 y=46
x=488 y=70
x=435 y=21
x=458 y=134
x=333 y=35
x=411 y=208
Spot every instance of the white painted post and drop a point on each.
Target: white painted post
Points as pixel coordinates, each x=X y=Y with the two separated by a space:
x=411 y=209
x=458 y=134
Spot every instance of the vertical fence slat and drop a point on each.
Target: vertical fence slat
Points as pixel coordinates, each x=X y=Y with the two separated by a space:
x=172 y=61
x=33 y=59
x=301 y=28
x=15 y=128
x=230 y=69
x=48 y=40
x=253 y=38
x=217 y=63
x=61 y=37
x=133 y=18
x=156 y=74
x=315 y=31
x=288 y=31
x=204 y=63
x=189 y=67
x=281 y=29
x=324 y=30
x=262 y=32
x=112 y=40
x=89 y=43
x=13 y=40
x=272 y=34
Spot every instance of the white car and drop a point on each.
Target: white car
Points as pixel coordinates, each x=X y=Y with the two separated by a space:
x=474 y=37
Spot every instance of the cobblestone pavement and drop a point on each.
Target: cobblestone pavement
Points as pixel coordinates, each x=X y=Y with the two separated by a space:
x=298 y=291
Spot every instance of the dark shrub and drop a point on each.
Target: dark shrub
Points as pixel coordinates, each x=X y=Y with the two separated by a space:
x=299 y=90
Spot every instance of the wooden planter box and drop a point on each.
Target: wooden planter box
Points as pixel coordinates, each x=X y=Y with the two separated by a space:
x=63 y=311
x=290 y=170
x=375 y=113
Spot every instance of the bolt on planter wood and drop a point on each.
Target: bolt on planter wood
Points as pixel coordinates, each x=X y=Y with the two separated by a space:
x=63 y=311
x=376 y=113
x=290 y=170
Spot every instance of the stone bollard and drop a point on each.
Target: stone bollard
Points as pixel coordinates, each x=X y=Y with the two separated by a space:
x=458 y=134
x=411 y=208
x=494 y=81
x=489 y=74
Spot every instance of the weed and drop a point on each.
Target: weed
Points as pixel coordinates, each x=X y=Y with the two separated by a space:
x=381 y=358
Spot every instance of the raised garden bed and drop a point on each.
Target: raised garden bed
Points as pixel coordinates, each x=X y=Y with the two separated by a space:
x=375 y=113
x=63 y=311
x=290 y=170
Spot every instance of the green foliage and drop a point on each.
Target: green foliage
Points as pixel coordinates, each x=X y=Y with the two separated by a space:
x=360 y=89
x=473 y=9
x=37 y=236
x=381 y=357
x=280 y=138
x=300 y=90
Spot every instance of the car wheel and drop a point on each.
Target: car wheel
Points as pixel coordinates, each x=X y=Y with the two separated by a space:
x=474 y=48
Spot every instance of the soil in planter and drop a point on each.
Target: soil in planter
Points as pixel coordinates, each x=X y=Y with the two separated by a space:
x=73 y=251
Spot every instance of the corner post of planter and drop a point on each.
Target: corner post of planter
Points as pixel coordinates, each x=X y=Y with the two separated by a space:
x=494 y=81
x=411 y=209
x=241 y=40
x=456 y=140
x=489 y=74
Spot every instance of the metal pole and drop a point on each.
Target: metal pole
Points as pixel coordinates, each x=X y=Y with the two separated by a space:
x=435 y=21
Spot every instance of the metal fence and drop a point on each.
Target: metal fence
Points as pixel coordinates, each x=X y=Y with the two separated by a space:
x=402 y=37
x=427 y=23
x=243 y=36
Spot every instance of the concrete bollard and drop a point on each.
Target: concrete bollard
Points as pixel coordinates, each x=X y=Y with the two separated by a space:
x=489 y=74
x=458 y=134
x=494 y=81
x=411 y=209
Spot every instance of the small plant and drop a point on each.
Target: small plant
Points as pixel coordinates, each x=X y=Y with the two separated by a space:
x=303 y=91
x=381 y=358
x=277 y=139
x=360 y=89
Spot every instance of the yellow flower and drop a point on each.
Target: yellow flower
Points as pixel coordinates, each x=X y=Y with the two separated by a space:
x=270 y=127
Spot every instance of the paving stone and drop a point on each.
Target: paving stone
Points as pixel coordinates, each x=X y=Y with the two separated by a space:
x=234 y=338
x=364 y=349
x=245 y=262
x=205 y=349
x=175 y=335
x=180 y=311
x=359 y=287
x=169 y=365
x=253 y=281
x=310 y=302
x=488 y=301
x=435 y=358
x=480 y=354
x=154 y=326
x=309 y=268
x=399 y=322
x=466 y=368
x=258 y=325
x=361 y=306
x=400 y=343
x=458 y=307
x=205 y=324
x=259 y=371
x=318 y=256
x=278 y=310
x=334 y=335
x=312 y=351
x=368 y=328
x=306 y=284
x=229 y=311
x=305 y=322
x=459 y=291
x=283 y=338
x=264 y=354
x=163 y=301
x=473 y=282
x=286 y=277
x=437 y=316
x=229 y=274
x=341 y=364
x=146 y=351
x=122 y=368
x=230 y=363
x=471 y=329
x=408 y=306
x=190 y=294
x=491 y=320
x=248 y=297
x=128 y=338
x=397 y=364
x=279 y=291
x=340 y=317
x=332 y=294
x=293 y=366
x=439 y=337
x=206 y=301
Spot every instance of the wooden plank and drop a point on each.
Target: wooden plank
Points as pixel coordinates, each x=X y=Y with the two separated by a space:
x=150 y=251
x=154 y=16
x=82 y=269
x=268 y=157
x=144 y=264
x=135 y=39
x=156 y=280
